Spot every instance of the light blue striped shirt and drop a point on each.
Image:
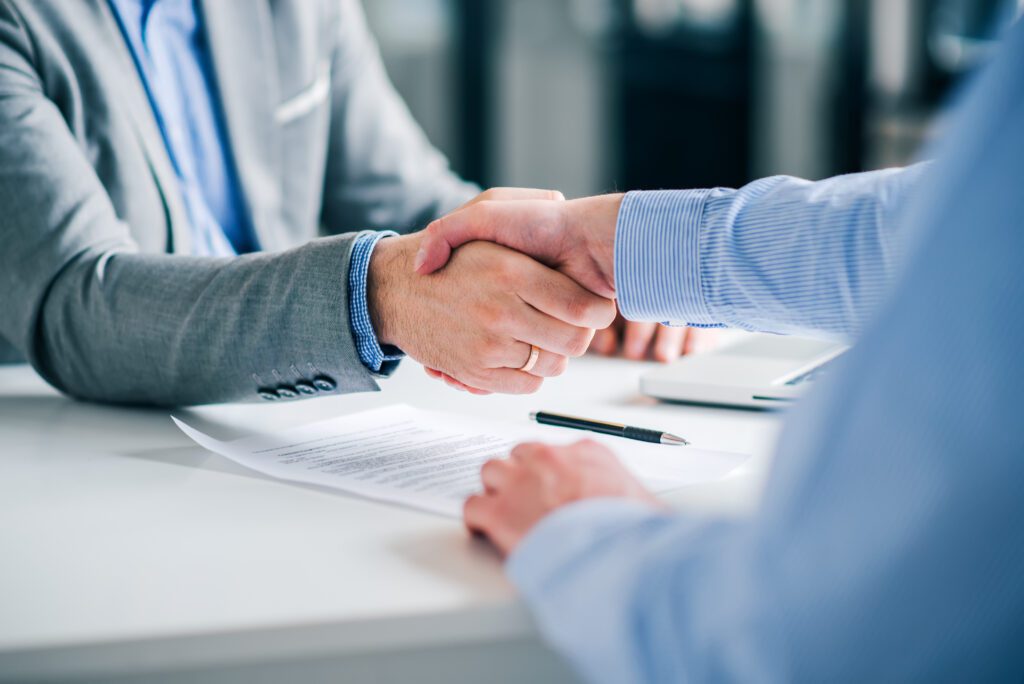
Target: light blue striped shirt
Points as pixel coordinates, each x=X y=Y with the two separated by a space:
x=781 y=254
x=890 y=544
x=167 y=41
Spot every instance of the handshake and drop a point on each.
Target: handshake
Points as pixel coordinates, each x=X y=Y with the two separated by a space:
x=499 y=294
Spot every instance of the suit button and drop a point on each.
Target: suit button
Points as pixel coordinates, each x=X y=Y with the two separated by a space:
x=306 y=387
x=325 y=383
x=268 y=393
x=286 y=392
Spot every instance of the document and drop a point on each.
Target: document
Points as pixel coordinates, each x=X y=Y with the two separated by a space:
x=431 y=461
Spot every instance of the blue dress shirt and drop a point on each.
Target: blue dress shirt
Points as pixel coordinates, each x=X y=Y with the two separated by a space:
x=376 y=358
x=173 y=59
x=890 y=544
x=172 y=56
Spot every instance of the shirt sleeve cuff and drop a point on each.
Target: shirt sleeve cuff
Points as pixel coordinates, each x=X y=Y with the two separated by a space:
x=378 y=359
x=657 y=258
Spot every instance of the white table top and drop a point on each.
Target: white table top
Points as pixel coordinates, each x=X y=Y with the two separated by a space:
x=122 y=540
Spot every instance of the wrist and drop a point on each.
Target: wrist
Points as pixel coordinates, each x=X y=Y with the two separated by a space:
x=391 y=258
x=593 y=220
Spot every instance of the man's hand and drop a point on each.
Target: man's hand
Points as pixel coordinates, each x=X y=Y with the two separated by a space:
x=576 y=237
x=475 y=320
x=498 y=194
x=536 y=479
x=639 y=341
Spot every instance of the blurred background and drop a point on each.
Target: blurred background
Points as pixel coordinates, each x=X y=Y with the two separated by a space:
x=592 y=96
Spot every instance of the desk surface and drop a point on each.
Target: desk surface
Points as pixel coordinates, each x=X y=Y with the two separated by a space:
x=123 y=542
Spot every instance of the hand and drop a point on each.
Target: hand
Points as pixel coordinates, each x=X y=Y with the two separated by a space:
x=536 y=479
x=576 y=237
x=476 y=319
x=640 y=341
x=494 y=195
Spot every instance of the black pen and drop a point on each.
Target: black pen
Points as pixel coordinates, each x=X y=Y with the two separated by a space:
x=640 y=434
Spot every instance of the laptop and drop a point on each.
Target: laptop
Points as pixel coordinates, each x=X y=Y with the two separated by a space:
x=758 y=371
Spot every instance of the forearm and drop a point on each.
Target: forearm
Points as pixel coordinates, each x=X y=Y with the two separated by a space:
x=173 y=330
x=780 y=254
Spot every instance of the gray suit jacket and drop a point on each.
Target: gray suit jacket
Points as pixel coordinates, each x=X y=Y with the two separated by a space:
x=97 y=288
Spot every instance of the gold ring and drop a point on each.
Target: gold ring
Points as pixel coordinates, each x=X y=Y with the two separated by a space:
x=532 y=361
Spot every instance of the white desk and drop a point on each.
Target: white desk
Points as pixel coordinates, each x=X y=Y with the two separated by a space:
x=127 y=550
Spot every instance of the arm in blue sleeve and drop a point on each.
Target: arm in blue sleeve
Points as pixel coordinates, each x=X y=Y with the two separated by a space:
x=778 y=255
x=630 y=594
x=377 y=359
x=889 y=544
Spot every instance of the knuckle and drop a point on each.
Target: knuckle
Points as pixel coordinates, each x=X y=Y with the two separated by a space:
x=559 y=365
x=488 y=353
x=578 y=308
x=578 y=342
x=433 y=229
x=489 y=468
x=518 y=382
x=594 y=312
x=534 y=385
x=472 y=510
x=489 y=315
x=606 y=313
x=591 y=311
x=544 y=455
x=479 y=379
x=524 y=450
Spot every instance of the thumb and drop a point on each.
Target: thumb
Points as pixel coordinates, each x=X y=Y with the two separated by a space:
x=438 y=243
x=528 y=226
x=444 y=235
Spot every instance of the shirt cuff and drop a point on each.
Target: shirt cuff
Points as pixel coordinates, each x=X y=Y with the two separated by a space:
x=380 y=360
x=657 y=258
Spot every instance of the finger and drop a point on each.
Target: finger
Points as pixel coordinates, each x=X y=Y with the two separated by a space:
x=435 y=374
x=513 y=328
x=690 y=343
x=507 y=381
x=517 y=225
x=561 y=297
x=637 y=338
x=547 y=365
x=494 y=474
x=591 y=448
x=455 y=384
x=605 y=341
x=527 y=450
x=478 y=513
x=701 y=339
x=668 y=343
x=514 y=194
x=550 y=365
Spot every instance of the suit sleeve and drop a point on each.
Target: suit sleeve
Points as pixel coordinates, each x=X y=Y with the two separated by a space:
x=101 y=321
x=382 y=172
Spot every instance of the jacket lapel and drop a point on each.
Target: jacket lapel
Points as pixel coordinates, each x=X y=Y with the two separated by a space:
x=240 y=34
x=147 y=131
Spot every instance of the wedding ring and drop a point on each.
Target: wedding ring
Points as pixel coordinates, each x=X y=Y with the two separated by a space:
x=532 y=361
